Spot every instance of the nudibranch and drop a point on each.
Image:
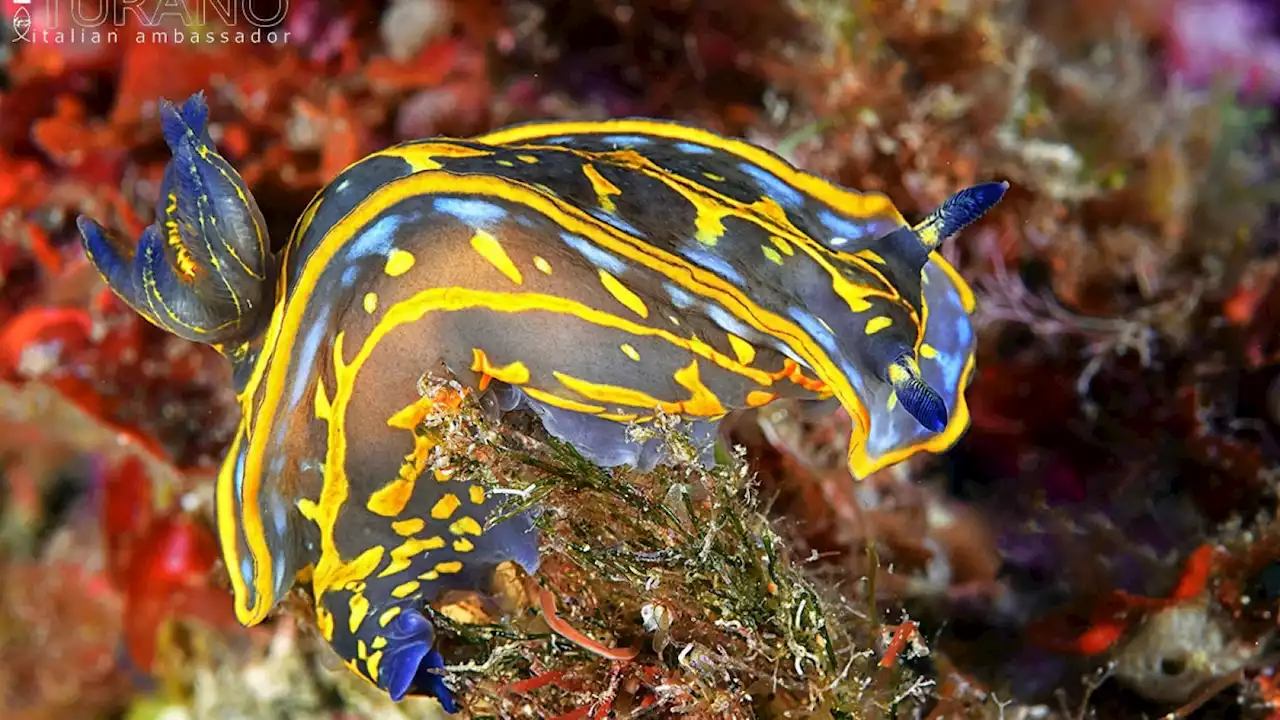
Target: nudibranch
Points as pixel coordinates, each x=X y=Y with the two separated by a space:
x=595 y=273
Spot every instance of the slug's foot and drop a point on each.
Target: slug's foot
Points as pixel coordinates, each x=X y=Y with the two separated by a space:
x=409 y=661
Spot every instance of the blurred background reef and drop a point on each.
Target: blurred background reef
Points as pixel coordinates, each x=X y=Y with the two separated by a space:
x=1102 y=543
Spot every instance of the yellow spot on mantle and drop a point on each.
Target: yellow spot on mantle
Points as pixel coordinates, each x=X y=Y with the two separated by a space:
x=773 y=255
x=615 y=394
x=324 y=622
x=703 y=402
x=603 y=188
x=389 y=615
x=876 y=324
x=466 y=526
x=445 y=507
x=403 y=555
x=463 y=545
x=412 y=415
x=630 y=352
x=515 y=373
x=541 y=263
x=490 y=249
x=623 y=294
x=928 y=352
x=308 y=508
x=359 y=608
x=757 y=398
x=412 y=526
x=406 y=589
x=391 y=499
x=783 y=246
x=709 y=226
x=371 y=303
x=450 y=567
x=744 y=351
x=399 y=262
x=324 y=410
x=477 y=495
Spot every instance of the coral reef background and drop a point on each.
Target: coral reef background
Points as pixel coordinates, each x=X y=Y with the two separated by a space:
x=1103 y=542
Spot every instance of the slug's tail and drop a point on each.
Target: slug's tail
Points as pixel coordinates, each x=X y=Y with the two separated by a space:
x=201 y=270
